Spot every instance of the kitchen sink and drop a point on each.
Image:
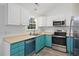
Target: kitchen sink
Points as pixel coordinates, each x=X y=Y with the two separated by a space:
x=34 y=34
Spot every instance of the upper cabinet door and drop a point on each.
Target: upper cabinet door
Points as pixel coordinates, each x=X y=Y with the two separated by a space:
x=13 y=14
x=49 y=21
x=41 y=21
x=45 y=21
x=24 y=16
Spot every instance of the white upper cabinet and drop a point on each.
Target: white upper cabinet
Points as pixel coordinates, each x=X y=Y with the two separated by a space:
x=45 y=21
x=49 y=21
x=24 y=16
x=13 y=14
x=17 y=15
x=41 y=21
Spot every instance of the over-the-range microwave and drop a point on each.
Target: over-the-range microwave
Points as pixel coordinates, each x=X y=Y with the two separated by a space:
x=59 y=23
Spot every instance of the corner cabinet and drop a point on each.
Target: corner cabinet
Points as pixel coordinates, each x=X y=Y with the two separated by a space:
x=70 y=45
x=42 y=41
x=48 y=39
x=39 y=43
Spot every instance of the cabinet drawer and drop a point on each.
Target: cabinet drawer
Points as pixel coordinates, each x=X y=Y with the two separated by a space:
x=17 y=49
x=13 y=51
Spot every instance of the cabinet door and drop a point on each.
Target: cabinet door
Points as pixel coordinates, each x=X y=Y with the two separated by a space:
x=43 y=40
x=17 y=49
x=41 y=21
x=48 y=40
x=13 y=14
x=24 y=16
x=39 y=43
x=70 y=45
x=49 y=21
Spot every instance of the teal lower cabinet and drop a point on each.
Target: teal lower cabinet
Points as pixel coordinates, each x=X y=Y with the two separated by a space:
x=17 y=49
x=39 y=43
x=24 y=48
x=70 y=45
x=29 y=46
x=42 y=41
x=48 y=39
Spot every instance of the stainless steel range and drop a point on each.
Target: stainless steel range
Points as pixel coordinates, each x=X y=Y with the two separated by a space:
x=59 y=41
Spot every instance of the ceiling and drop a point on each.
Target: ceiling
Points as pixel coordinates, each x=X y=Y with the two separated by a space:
x=39 y=9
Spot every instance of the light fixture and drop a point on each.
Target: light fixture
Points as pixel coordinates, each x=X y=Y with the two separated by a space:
x=36 y=6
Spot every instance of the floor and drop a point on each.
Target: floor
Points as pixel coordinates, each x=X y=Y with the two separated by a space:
x=50 y=52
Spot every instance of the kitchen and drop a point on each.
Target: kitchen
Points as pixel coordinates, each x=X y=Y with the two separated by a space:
x=38 y=29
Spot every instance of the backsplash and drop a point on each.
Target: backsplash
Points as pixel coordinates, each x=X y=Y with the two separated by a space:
x=14 y=29
x=53 y=29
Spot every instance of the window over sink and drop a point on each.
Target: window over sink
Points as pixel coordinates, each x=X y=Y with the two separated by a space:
x=32 y=23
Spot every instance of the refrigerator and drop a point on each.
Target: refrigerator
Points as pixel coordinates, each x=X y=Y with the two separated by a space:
x=74 y=27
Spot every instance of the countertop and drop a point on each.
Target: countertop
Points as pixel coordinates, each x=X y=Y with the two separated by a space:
x=21 y=37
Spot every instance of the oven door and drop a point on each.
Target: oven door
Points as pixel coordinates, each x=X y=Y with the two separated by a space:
x=59 y=40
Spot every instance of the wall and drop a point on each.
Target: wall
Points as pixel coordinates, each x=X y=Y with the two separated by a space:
x=64 y=9
x=1 y=27
x=76 y=9
x=14 y=30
